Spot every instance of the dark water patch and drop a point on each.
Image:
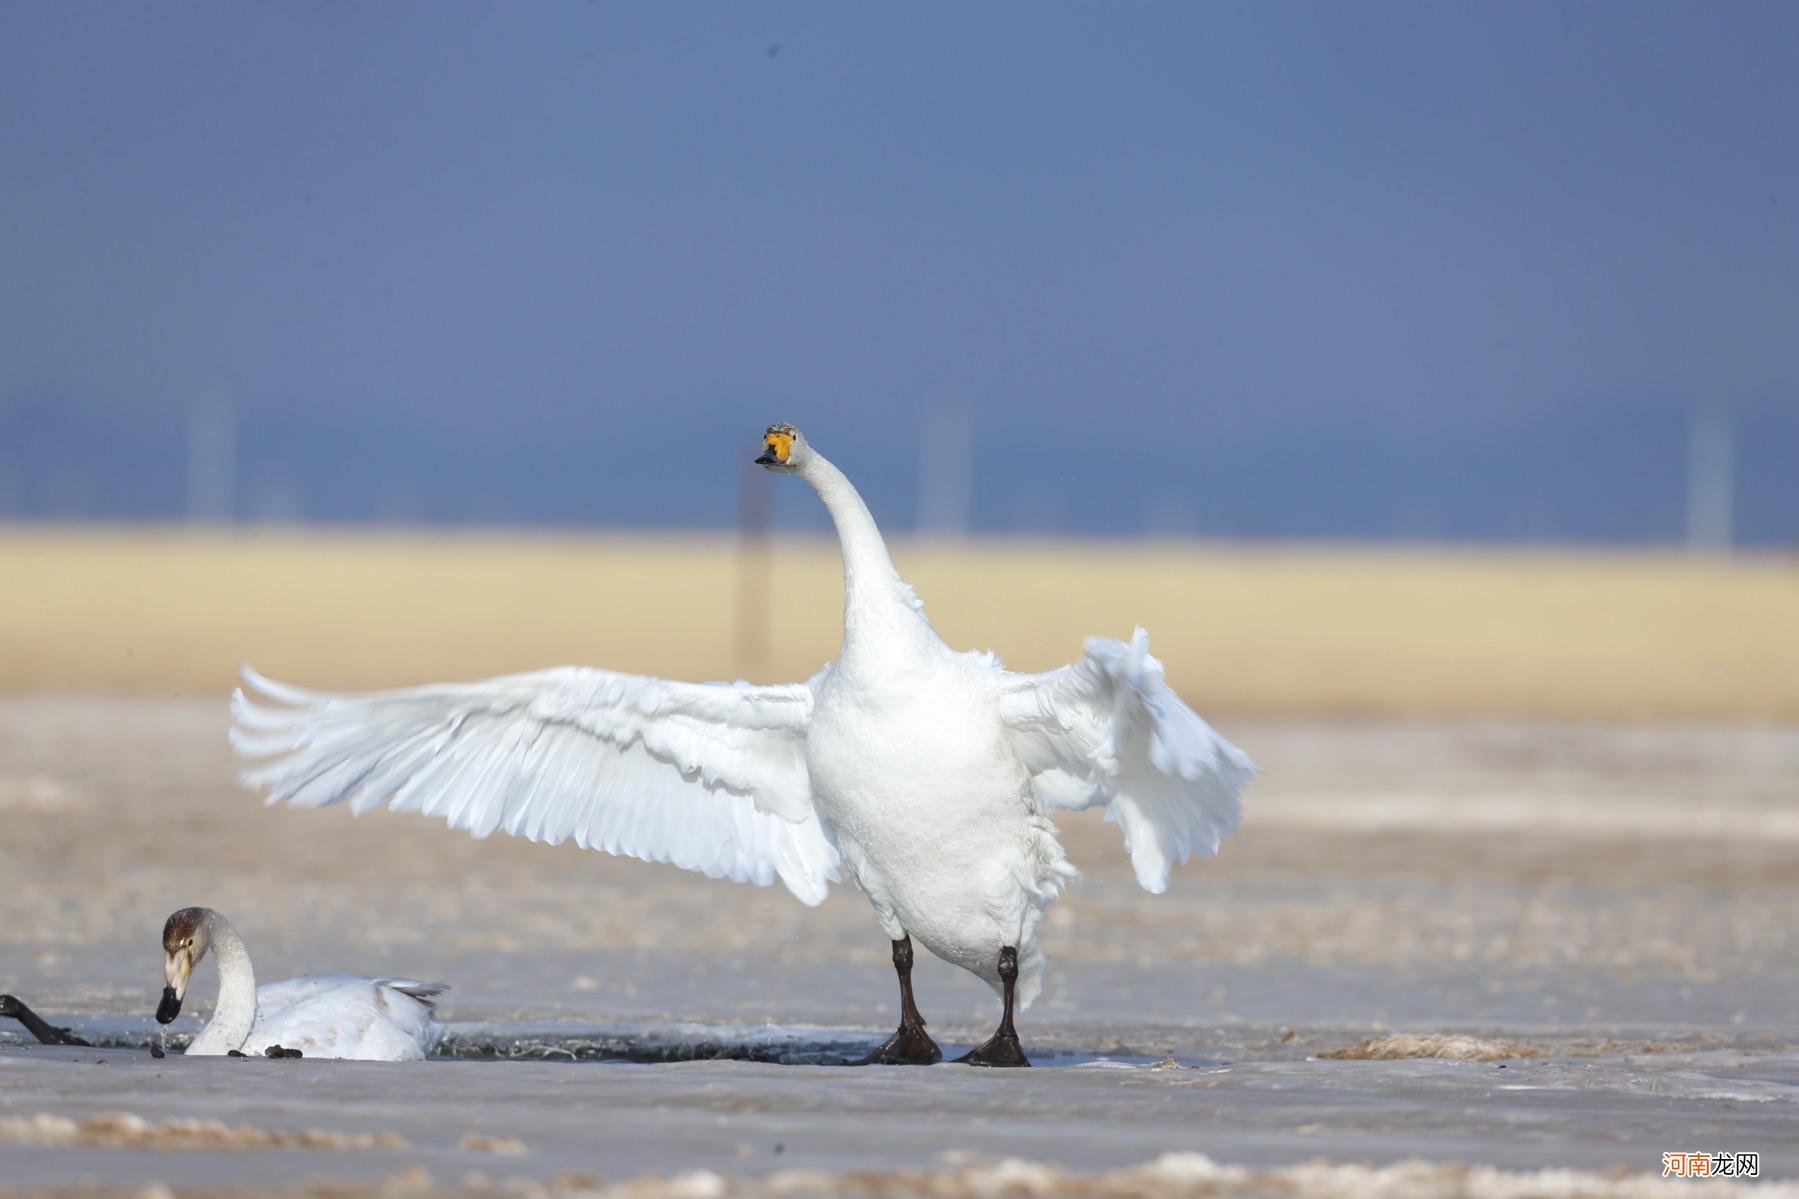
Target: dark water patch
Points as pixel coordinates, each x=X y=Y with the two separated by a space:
x=768 y=1044
x=650 y=1044
x=654 y=1043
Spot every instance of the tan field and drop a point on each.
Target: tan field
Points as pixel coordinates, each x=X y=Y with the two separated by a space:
x=1583 y=635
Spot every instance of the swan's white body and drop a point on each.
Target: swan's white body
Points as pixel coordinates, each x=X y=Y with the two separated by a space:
x=930 y=774
x=934 y=813
x=322 y=1015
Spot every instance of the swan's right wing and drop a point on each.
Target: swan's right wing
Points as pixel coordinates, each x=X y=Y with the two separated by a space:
x=706 y=776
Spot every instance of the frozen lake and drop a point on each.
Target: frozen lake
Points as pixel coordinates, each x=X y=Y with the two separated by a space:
x=1617 y=909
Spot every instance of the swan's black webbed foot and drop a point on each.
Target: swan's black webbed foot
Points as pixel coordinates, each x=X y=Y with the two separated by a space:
x=911 y=1045
x=281 y=1051
x=1002 y=1048
x=45 y=1032
x=235 y=1053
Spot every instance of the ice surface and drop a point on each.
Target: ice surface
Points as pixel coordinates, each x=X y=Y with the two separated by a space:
x=1417 y=890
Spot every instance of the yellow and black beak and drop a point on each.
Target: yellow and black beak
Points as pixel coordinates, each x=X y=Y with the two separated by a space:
x=777 y=448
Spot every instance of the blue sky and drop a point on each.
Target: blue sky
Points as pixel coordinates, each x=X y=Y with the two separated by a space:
x=1423 y=270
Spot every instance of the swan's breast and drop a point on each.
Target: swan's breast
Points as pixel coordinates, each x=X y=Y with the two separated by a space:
x=918 y=756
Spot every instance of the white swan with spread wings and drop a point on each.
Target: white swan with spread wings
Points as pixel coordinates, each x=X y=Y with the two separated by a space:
x=928 y=774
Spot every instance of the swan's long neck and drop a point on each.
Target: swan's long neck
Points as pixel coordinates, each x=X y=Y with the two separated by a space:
x=235 y=1013
x=879 y=609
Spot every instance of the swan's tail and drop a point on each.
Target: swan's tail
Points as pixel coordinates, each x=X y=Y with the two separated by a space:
x=425 y=993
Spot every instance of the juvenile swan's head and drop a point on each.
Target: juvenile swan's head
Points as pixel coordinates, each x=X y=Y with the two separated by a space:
x=185 y=940
x=783 y=448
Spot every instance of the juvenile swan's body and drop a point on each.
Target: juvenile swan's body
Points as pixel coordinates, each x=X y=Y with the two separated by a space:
x=321 y=1015
x=929 y=774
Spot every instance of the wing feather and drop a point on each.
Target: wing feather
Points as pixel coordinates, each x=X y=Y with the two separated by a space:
x=1108 y=730
x=709 y=777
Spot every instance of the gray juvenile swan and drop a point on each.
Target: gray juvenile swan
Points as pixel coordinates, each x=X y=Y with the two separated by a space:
x=321 y=1015
x=929 y=774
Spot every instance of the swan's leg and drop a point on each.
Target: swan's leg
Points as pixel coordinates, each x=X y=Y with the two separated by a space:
x=911 y=1045
x=1002 y=1048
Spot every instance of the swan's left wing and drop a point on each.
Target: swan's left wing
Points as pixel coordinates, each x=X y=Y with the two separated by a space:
x=708 y=776
x=1108 y=730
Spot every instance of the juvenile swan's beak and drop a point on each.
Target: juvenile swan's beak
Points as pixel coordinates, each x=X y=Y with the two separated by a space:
x=175 y=969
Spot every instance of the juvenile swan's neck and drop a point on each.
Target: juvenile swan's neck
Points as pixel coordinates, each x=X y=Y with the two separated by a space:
x=878 y=606
x=235 y=1013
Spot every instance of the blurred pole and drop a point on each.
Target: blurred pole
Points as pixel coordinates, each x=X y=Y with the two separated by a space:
x=12 y=465
x=945 y=468
x=211 y=459
x=755 y=521
x=1710 y=482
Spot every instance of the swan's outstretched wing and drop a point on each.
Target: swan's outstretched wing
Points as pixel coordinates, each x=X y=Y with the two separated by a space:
x=1108 y=730
x=708 y=776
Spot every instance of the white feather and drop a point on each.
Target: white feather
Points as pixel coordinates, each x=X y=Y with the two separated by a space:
x=709 y=777
x=1108 y=730
x=342 y=1016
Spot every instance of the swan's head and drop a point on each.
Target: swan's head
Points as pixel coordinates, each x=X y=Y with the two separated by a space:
x=185 y=940
x=9 y=1006
x=783 y=448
